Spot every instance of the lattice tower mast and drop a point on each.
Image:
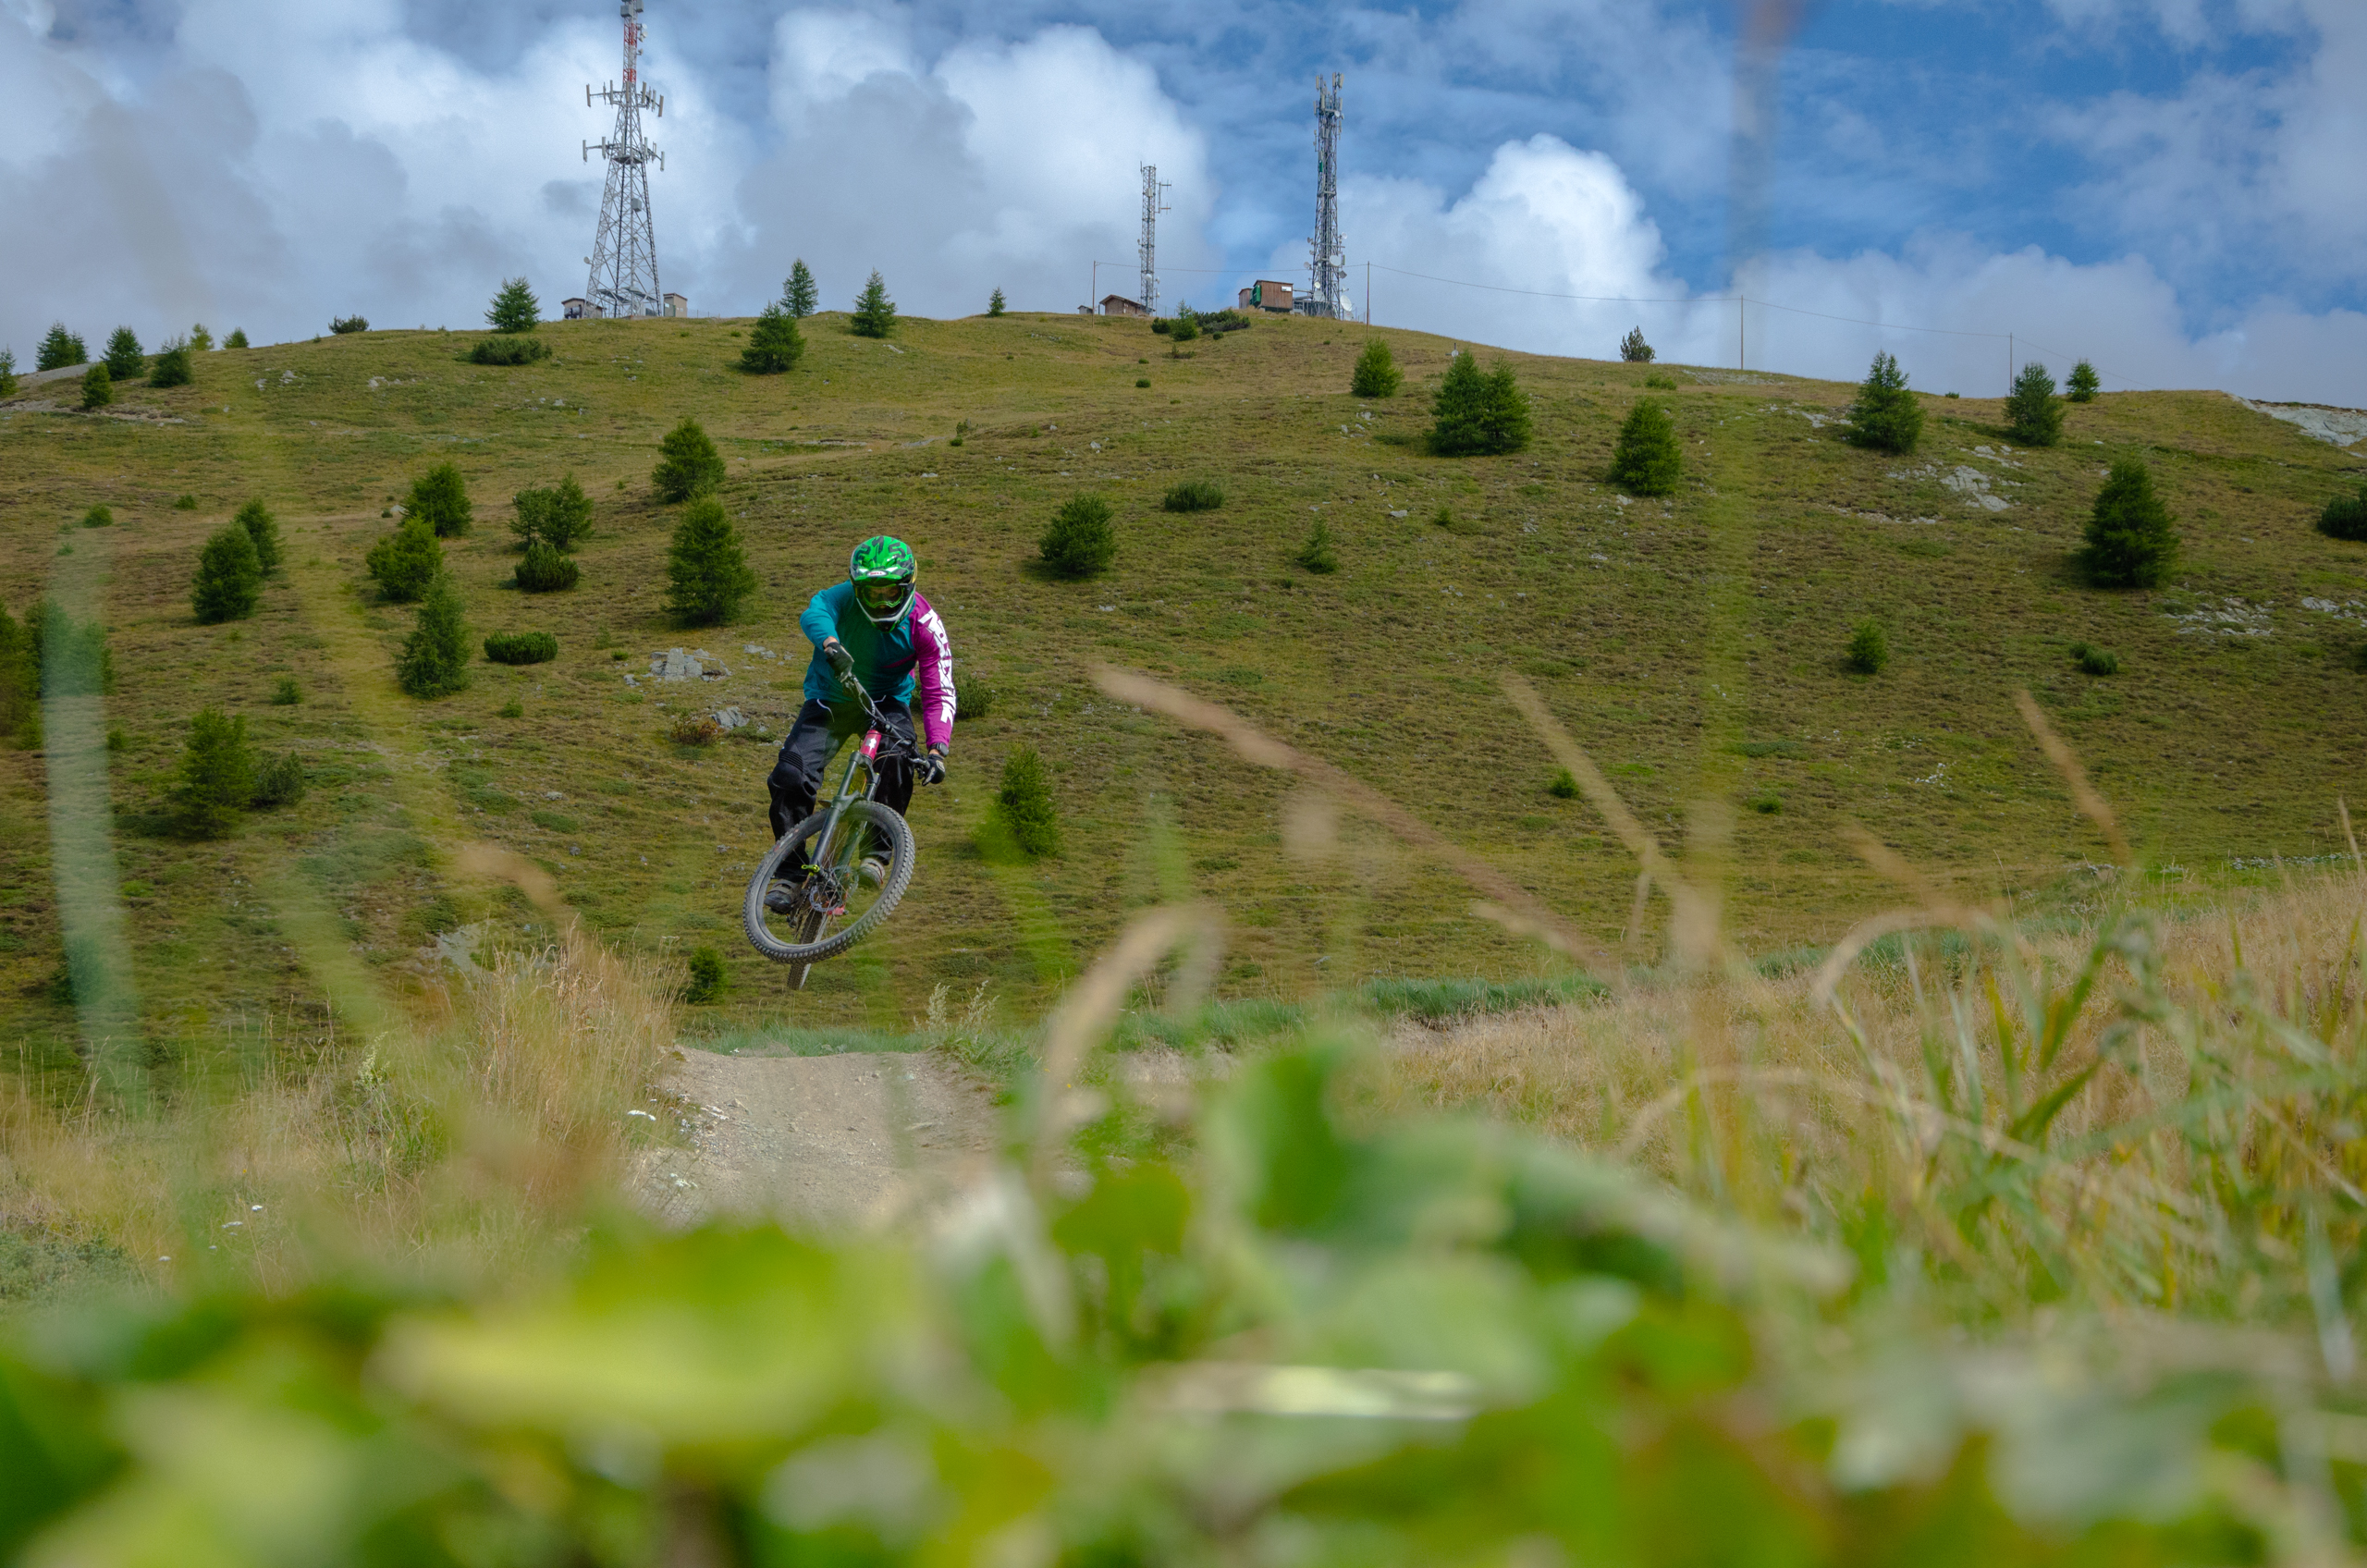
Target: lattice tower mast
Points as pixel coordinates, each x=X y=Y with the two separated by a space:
x=625 y=253
x=1327 y=293
x=1147 y=247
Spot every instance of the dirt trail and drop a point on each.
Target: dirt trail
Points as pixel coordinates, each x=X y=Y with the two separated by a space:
x=821 y=1143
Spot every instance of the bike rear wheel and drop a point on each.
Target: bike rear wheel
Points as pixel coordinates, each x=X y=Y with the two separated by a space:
x=835 y=905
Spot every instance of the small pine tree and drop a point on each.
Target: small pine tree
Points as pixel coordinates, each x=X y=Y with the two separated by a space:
x=707 y=572
x=171 y=367
x=688 y=464
x=558 y=516
x=1317 y=554
x=98 y=387
x=218 y=776
x=126 y=361
x=435 y=660
x=2084 y=383
x=344 y=326
x=7 y=373
x=514 y=309
x=200 y=339
x=2032 y=410
x=2345 y=517
x=1375 y=373
x=264 y=529
x=1634 y=350
x=708 y=979
x=237 y=338
x=405 y=561
x=279 y=782
x=229 y=578
x=994 y=303
x=1646 y=461
x=798 y=295
x=875 y=313
x=1478 y=414
x=1886 y=416
x=542 y=569
x=1185 y=328
x=1024 y=805
x=59 y=348
x=1079 y=542
x=440 y=499
x=774 y=343
x=1868 y=650
x=2131 y=542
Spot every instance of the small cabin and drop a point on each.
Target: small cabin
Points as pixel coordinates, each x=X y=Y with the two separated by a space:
x=1266 y=294
x=676 y=306
x=575 y=309
x=1119 y=305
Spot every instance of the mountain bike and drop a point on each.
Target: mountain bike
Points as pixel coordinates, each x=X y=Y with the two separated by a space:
x=858 y=858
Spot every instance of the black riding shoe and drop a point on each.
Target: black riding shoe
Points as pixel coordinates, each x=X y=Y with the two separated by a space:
x=780 y=897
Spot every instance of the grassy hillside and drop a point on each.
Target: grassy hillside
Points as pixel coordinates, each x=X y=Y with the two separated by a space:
x=1694 y=646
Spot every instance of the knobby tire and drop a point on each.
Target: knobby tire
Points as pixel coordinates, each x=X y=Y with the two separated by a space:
x=820 y=944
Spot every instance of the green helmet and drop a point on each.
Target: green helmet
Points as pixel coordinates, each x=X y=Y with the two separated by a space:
x=882 y=571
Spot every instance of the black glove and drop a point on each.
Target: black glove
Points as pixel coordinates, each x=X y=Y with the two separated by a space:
x=840 y=662
x=929 y=768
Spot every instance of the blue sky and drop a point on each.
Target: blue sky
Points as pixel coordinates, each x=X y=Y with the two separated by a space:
x=2172 y=187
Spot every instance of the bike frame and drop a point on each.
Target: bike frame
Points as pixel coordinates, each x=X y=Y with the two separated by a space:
x=866 y=760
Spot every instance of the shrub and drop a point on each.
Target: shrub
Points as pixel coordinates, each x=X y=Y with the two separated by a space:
x=1564 y=785
x=1868 y=650
x=2093 y=660
x=264 y=529
x=100 y=516
x=1079 y=542
x=405 y=561
x=286 y=694
x=875 y=313
x=1024 y=805
x=1193 y=495
x=1476 y=414
x=2345 y=517
x=229 y=578
x=1317 y=553
x=1646 y=460
x=1634 y=350
x=341 y=325
x=1183 y=329
x=559 y=517
x=695 y=729
x=237 y=338
x=171 y=367
x=184 y=503
x=279 y=782
x=2032 y=410
x=994 y=303
x=707 y=572
x=218 y=776
x=514 y=308
x=522 y=647
x=1160 y=326
x=774 y=343
x=513 y=708
x=504 y=350
x=798 y=295
x=973 y=699
x=542 y=569
x=1142 y=381
x=2131 y=542
x=2084 y=383
x=1376 y=374
x=435 y=660
x=98 y=387
x=59 y=348
x=1886 y=416
x=708 y=978
x=440 y=499
x=688 y=464
x=125 y=360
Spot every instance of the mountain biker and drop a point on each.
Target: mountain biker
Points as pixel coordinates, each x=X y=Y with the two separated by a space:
x=875 y=626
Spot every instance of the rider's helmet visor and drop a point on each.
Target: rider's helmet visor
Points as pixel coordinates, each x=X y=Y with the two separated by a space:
x=885 y=595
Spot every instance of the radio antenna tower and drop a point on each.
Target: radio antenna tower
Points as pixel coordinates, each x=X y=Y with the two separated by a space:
x=1327 y=293
x=625 y=253
x=1149 y=246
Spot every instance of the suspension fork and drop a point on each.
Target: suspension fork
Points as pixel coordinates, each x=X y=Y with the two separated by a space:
x=866 y=759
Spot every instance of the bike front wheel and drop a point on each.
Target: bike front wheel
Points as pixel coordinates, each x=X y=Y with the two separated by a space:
x=837 y=903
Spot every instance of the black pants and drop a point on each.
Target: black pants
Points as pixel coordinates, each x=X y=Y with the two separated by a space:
x=797 y=775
